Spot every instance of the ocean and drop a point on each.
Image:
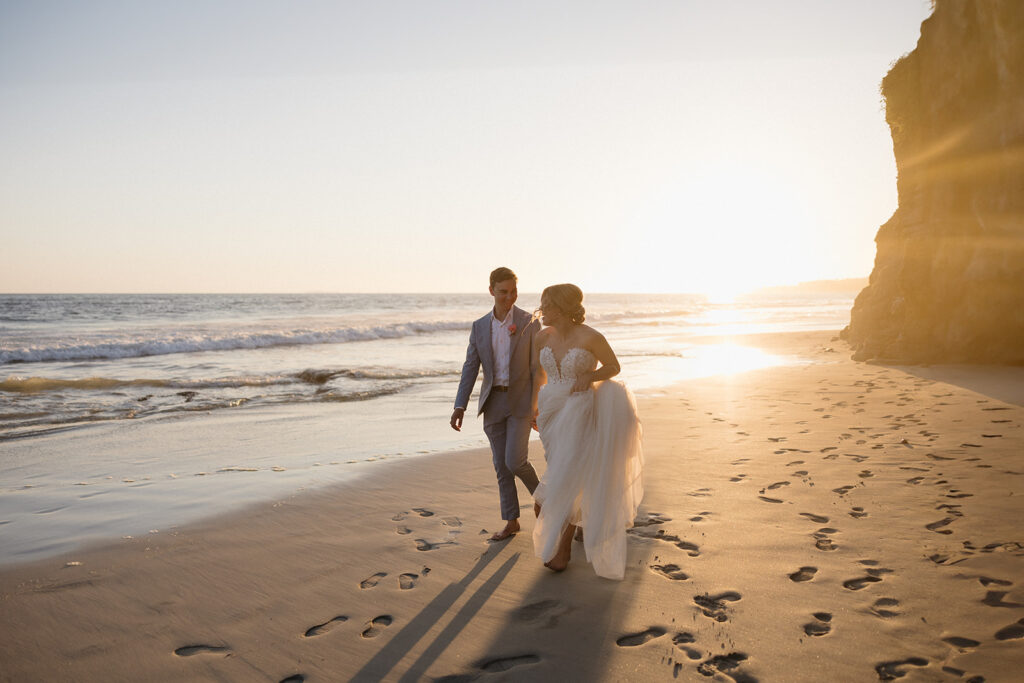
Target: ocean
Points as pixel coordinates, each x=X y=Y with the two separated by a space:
x=123 y=413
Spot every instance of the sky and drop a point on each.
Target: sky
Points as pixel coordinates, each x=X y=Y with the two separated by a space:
x=409 y=146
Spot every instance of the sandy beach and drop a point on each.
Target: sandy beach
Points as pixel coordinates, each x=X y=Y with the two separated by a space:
x=828 y=521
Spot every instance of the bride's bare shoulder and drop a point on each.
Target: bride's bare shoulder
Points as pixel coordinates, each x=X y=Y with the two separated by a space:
x=589 y=334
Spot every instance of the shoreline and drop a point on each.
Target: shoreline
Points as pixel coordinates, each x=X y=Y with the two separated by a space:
x=784 y=495
x=128 y=477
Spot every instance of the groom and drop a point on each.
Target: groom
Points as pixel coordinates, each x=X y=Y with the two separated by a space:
x=502 y=343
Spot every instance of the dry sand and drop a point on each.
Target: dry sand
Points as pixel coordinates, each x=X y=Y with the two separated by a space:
x=831 y=521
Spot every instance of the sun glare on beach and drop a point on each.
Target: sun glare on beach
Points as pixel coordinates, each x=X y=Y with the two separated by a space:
x=728 y=359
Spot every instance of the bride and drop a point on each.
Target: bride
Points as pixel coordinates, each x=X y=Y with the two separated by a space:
x=591 y=437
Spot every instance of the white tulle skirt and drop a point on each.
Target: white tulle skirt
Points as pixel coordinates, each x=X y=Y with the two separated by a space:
x=594 y=477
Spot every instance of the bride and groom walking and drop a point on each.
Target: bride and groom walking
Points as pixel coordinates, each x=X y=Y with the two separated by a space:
x=553 y=374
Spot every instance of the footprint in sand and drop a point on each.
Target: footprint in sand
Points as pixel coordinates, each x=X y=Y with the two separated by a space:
x=889 y=671
x=822 y=539
x=803 y=574
x=883 y=608
x=817 y=519
x=407 y=581
x=995 y=599
x=682 y=639
x=650 y=519
x=424 y=545
x=843 y=490
x=399 y=516
x=937 y=526
x=860 y=582
x=714 y=606
x=962 y=644
x=423 y=512
x=727 y=665
x=874 y=576
x=634 y=639
x=866 y=474
x=820 y=626
x=294 y=678
x=738 y=477
x=507 y=663
x=770 y=500
x=857 y=512
x=403 y=530
x=544 y=612
x=1011 y=632
x=323 y=628
x=376 y=626
x=669 y=571
x=988 y=581
x=191 y=650
x=700 y=516
x=692 y=549
x=372 y=581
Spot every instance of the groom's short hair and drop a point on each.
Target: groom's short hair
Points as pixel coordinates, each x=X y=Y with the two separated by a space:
x=502 y=274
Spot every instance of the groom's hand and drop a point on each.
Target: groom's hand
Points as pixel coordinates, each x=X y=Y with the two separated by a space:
x=456 y=421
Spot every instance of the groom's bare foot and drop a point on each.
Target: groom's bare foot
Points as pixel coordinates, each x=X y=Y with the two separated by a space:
x=510 y=530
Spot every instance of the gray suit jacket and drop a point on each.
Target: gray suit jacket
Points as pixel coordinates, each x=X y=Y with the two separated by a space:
x=479 y=354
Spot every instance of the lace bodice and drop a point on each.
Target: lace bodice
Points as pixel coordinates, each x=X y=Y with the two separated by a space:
x=576 y=361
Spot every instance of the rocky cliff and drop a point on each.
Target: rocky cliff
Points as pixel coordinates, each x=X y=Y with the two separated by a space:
x=948 y=280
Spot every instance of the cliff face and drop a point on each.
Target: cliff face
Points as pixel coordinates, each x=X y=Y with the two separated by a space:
x=948 y=280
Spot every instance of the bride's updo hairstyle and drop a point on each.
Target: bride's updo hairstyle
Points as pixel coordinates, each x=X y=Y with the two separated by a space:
x=568 y=299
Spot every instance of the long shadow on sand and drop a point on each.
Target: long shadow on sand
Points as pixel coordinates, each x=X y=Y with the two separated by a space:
x=998 y=382
x=562 y=628
x=412 y=633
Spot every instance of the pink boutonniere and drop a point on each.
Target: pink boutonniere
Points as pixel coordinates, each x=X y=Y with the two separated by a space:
x=512 y=329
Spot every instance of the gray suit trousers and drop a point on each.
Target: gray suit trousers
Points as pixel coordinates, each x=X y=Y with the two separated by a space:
x=509 y=437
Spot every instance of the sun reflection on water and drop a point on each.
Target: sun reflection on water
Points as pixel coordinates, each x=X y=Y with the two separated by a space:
x=647 y=373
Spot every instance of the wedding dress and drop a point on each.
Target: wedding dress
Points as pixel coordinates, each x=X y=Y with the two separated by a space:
x=594 y=459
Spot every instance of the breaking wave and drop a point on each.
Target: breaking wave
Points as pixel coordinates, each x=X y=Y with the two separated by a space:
x=139 y=347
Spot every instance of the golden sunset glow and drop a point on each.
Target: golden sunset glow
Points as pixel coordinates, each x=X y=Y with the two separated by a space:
x=336 y=149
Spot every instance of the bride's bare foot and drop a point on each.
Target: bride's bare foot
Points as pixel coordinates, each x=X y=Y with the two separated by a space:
x=510 y=530
x=560 y=561
x=556 y=565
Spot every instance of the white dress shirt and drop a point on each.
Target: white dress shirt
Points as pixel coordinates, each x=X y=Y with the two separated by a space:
x=501 y=346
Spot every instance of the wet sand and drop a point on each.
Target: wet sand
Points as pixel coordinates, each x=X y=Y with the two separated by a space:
x=826 y=521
